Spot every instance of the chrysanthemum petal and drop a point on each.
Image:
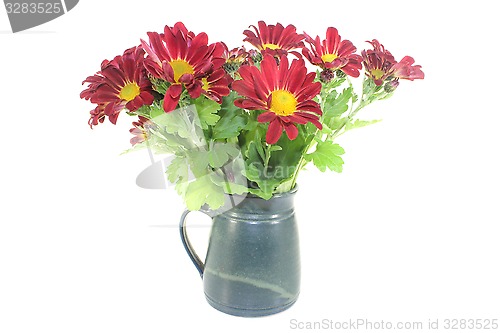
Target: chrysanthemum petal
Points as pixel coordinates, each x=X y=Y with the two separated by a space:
x=311 y=118
x=250 y=104
x=245 y=88
x=269 y=69
x=310 y=106
x=291 y=131
x=297 y=118
x=295 y=75
x=312 y=89
x=332 y=40
x=266 y=117
x=172 y=96
x=274 y=131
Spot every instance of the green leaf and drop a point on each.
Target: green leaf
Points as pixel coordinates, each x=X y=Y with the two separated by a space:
x=203 y=191
x=285 y=185
x=232 y=121
x=360 y=123
x=142 y=111
x=198 y=161
x=385 y=95
x=207 y=111
x=157 y=114
x=354 y=98
x=229 y=187
x=221 y=153
x=263 y=194
x=370 y=90
x=178 y=170
x=329 y=86
x=285 y=162
x=178 y=173
x=182 y=125
x=326 y=156
x=336 y=104
x=174 y=122
x=160 y=85
x=368 y=86
x=266 y=179
x=334 y=123
x=229 y=126
x=253 y=172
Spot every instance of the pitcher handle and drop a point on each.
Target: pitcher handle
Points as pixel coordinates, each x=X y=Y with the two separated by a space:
x=200 y=266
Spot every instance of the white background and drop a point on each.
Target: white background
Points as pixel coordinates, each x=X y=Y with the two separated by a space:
x=408 y=232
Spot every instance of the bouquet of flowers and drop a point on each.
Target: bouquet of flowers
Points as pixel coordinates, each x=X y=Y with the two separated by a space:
x=243 y=120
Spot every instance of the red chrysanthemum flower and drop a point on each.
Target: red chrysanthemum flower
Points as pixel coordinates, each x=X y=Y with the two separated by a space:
x=274 y=39
x=121 y=83
x=285 y=93
x=380 y=65
x=237 y=55
x=333 y=53
x=182 y=58
x=216 y=85
x=140 y=131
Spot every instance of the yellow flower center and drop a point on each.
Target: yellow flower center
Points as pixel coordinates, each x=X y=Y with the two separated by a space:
x=270 y=46
x=329 y=57
x=377 y=73
x=283 y=102
x=180 y=68
x=130 y=91
x=205 y=84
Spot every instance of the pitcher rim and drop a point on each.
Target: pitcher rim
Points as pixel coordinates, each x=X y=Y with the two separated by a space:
x=276 y=195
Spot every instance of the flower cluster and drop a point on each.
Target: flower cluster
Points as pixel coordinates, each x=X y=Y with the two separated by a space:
x=382 y=67
x=280 y=105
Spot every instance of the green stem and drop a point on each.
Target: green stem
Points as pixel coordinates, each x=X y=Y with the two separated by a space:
x=366 y=98
x=349 y=118
x=267 y=153
x=302 y=162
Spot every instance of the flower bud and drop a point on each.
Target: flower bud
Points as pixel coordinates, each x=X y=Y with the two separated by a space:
x=231 y=67
x=255 y=56
x=390 y=86
x=326 y=75
x=340 y=74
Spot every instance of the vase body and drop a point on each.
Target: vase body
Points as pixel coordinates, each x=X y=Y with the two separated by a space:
x=252 y=266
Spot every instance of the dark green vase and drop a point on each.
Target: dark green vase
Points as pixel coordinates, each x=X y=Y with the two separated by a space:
x=252 y=267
